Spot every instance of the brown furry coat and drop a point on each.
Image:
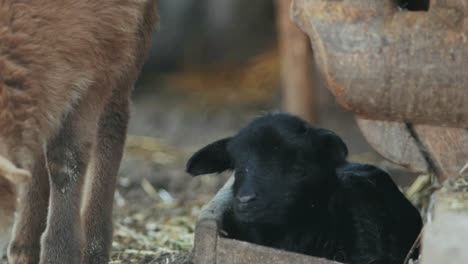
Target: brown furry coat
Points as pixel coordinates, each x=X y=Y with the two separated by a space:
x=66 y=71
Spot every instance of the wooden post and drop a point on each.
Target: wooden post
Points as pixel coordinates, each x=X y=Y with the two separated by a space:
x=296 y=65
x=444 y=240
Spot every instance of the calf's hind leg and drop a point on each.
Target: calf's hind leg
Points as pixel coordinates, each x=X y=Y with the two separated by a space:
x=102 y=179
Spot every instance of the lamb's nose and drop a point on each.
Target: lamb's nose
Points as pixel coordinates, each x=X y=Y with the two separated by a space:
x=246 y=198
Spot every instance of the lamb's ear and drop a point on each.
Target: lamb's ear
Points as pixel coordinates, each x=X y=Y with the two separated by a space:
x=210 y=159
x=332 y=147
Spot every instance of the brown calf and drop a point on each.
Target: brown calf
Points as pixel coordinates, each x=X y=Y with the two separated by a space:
x=66 y=72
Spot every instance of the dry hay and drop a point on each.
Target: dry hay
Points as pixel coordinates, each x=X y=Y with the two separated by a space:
x=162 y=233
x=152 y=227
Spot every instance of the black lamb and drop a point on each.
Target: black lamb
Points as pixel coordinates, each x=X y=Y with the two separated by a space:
x=294 y=190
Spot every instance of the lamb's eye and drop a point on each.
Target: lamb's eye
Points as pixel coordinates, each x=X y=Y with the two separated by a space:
x=239 y=174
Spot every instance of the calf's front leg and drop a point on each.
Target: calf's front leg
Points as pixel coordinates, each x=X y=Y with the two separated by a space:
x=67 y=157
x=31 y=217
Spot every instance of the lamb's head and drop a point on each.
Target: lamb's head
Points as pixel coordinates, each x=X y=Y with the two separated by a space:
x=280 y=163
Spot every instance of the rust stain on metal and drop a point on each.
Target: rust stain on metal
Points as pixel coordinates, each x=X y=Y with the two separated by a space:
x=336 y=11
x=452 y=37
x=339 y=91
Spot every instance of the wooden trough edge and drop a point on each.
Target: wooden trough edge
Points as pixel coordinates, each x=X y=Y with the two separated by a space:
x=210 y=248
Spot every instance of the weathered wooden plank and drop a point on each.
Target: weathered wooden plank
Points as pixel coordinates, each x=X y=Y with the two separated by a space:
x=219 y=204
x=444 y=239
x=385 y=64
x=394 y=141
x=207 y=229
x=205 y=243
x=296 y=66
x=239 y=252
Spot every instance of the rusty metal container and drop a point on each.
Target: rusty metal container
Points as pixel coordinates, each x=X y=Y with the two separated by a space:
x=404 y=74
x=384 y=63
x=211 y=248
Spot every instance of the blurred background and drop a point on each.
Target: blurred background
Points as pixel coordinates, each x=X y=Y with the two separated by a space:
x=214 y=65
